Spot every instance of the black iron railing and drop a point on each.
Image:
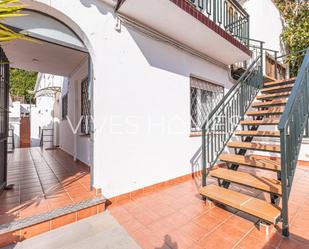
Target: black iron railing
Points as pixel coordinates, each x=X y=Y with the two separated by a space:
x=224 y=119
x=228 y=14
x=292 y=125
x=4 y=119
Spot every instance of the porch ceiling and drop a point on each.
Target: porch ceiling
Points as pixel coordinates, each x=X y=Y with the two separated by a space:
x=44 y=57
x=166 y=17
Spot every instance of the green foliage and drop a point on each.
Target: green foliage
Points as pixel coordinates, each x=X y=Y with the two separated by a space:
x=9 y=9
x=21 y=82
x=295 y=34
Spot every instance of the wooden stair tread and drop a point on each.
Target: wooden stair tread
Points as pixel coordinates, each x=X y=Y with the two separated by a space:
x=255 y=146
x=273 y=95
x=279 y=82
x=260 y=122
x=277 y=88
x=255 y=161
x=271 y=111
x=242 y=202
x=250 y=180
x=258 y=133
x=269 y=103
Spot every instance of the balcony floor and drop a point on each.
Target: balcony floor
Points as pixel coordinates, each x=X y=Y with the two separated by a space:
x=43 y=180
x=174 y=216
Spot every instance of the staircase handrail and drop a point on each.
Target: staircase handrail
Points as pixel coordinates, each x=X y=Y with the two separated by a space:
x=234 y=103
x=230 y=93
x=293 y=122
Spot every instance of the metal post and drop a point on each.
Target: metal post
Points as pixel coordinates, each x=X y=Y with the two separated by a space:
x=53 y=127
x=262 y=64
x=6 y=73
x=307 y=79
x=276 y=63
x=284 y=184
x=204 y=156
x=241 y=102
x=91 y=97
x=307 y=88
x=30 y=117
x=248 y=31
x=215 y=11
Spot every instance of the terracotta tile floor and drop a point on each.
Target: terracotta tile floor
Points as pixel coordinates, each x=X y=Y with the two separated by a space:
x=175 y=217
x=43 y=180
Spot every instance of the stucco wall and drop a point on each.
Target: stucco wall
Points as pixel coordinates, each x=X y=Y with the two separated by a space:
x=142 y=111
x=46 y=113
x=141 y=100
x=14 y=122
x=70 y=141
x=265 y=22
x=42 y=116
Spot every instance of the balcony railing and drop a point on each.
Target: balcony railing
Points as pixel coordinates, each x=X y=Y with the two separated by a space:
x=228 y=14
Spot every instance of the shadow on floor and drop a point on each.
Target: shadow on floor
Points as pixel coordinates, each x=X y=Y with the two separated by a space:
x=294 y=241
x=168 y=243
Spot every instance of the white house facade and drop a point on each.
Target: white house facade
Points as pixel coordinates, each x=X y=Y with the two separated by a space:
x=135 y=71
x=46 y=113
x=141 y=96
x=264 y=13
x=14 y=123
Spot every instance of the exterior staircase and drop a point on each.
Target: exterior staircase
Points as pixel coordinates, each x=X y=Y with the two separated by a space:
x=266 y=140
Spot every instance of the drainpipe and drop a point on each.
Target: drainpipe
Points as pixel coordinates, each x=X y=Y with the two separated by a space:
x=75 y=119
x=90 y=91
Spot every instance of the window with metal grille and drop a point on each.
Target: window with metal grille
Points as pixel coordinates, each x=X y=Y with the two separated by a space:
x=85 y=107
x=204 y=97
x=64 y=107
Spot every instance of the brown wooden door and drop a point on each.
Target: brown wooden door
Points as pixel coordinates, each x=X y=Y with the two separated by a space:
x=25 y=132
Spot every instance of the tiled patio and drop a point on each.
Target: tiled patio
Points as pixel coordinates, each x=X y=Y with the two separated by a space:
x=175 y=217
x=168 y=216
x=43 y=181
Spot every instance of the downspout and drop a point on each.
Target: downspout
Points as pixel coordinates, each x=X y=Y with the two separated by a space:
x=92 y=128
x=75 y=118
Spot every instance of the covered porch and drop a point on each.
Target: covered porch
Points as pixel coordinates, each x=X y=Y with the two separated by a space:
x=47 y=189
